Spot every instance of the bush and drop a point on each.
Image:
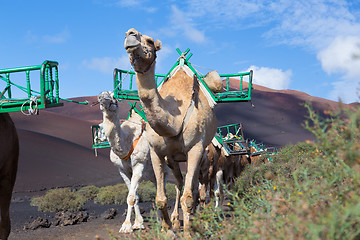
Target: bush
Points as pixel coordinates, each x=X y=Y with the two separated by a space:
x=61 y=199
x=308 y=191
x=116 y=194
x=88 y=192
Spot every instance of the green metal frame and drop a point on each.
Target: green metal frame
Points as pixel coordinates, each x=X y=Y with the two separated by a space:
x=236 y=144
x=46 y=97
x=97 y=144
x=242 y=95
x=261 y=148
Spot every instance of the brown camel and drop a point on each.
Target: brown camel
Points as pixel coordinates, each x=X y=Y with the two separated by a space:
x=9 y=155
x=180 y=117
x=218 y=169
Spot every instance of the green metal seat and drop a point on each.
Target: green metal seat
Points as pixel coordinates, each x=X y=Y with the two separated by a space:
x=46 y=97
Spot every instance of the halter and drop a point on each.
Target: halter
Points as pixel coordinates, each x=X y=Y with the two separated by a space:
x=148 y=68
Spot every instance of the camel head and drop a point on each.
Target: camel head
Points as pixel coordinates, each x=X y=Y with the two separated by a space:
x=107 y=102
x=142 y=50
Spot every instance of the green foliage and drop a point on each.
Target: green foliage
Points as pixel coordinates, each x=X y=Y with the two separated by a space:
x=308 y=191
x=147 y=192
x=59 y=200
x=116 y=194
x=62 y=199
x=88 y=192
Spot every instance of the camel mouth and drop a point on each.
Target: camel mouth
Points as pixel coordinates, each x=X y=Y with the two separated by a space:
x=130 y=49
x=131 y=43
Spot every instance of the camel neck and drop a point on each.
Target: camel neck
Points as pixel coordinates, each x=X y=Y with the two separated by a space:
x=147 y=88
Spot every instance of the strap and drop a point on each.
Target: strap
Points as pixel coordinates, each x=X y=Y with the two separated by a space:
x=143 y=124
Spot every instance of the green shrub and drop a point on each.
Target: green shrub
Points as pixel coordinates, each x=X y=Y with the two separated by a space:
x=147 y=191
x=59 y=200
x=116 y=194
x=88 y=192
x=170 y=191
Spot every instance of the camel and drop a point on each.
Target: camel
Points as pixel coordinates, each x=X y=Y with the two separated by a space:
x=180 y=117
x=130 y=152
x=9 y=156
x=218 y=168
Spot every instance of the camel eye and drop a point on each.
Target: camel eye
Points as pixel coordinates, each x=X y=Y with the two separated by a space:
x=149 y=41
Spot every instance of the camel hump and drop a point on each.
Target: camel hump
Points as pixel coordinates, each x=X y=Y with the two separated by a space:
x=213 y=81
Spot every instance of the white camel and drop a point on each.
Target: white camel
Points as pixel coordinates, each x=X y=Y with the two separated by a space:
x=130 y=152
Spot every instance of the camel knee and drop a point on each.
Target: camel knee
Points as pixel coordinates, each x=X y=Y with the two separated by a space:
x=161 y=202
x=131 y=199
x=187 y=202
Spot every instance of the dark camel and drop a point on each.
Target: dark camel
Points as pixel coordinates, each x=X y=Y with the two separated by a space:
x=9 y=155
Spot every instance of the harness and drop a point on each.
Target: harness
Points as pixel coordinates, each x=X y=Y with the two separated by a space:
x=143 y=125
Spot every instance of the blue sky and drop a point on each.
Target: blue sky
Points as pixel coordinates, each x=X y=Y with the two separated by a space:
x=310 y=46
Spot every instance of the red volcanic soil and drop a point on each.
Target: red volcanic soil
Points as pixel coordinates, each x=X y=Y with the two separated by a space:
x=55 y=146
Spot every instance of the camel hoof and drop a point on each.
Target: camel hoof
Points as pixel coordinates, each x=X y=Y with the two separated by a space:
x=170 y=234
x=126 y=228
x=138 y=226
x=176 y=225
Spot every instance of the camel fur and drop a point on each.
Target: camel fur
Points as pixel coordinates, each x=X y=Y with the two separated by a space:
x=9 y=156
x=133 y=162
x=180 y=118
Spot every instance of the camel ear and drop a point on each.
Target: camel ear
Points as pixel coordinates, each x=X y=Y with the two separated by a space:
x=157 y=45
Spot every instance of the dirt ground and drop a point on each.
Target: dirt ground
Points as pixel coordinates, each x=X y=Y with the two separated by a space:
x=95 y=228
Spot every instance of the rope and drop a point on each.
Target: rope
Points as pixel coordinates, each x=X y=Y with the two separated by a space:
x=131 y=67
x=32 y=111
x=201 y=67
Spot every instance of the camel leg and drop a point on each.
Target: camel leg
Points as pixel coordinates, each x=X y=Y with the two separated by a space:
x=219 y=191
x=133 y=197
x=5 y=198
x=203 y=191
x=212 y=187
x=7 y=182
x=191 y=182
x=126 y=226
x=175 y=168
x=161 y=199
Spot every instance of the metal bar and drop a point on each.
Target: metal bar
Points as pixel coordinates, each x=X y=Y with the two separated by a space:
x=227 y=83
x=131 y=80
x=8 y=84
x=28 y=83
x=20 y=69
x=241 y=83
x=51 y=85
x=57 y=93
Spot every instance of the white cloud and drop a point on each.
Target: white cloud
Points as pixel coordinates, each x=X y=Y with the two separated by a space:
x=182 y=23
x=56 y=38
x=107 y=64
x=139 y=4
x=60 y=37
x=271 y=77
x=339 y=56
x=342 y=56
